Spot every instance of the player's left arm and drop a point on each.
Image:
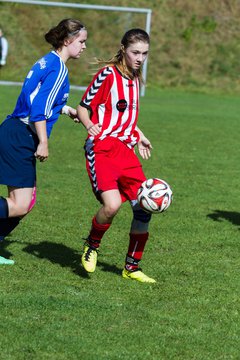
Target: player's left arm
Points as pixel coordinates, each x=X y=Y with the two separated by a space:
x=42 y=148
x=144 y=145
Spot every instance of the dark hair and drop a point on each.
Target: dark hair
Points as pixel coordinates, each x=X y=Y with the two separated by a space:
x=134 y=35
x=67 y=28
x=130 y=37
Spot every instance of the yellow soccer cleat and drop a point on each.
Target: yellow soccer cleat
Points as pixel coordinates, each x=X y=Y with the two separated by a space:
x=89 y=258
x=137 y=275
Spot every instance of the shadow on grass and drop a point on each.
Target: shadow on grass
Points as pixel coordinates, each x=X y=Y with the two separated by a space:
x=65 y=257
x=109 y=268
x=231 y=216
x=57 y=254
x=3 y=251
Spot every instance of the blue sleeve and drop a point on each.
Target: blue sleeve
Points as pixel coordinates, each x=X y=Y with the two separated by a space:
x=47 y=93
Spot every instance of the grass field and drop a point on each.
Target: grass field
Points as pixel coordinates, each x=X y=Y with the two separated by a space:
x=50 y=309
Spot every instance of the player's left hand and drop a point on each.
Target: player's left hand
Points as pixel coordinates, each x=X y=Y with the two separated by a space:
x=144 y=147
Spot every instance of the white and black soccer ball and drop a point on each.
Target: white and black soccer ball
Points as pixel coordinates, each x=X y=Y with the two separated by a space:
x=154 y=195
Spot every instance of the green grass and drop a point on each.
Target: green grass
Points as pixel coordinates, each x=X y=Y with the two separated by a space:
x=50 y=309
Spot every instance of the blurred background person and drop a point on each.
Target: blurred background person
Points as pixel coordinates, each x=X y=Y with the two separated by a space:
x=3 y=49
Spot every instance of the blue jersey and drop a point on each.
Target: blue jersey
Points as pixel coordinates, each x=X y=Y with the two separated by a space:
x=44 y=93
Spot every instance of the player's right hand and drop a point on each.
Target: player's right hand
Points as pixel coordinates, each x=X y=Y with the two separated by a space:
x=95 y=129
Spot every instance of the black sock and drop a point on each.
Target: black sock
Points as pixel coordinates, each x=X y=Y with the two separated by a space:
x=8 y=225
x=3 y=208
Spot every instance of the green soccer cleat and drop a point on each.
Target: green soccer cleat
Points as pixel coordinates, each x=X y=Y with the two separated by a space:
x=89 y=258
x=4 y=261
x=137 y=275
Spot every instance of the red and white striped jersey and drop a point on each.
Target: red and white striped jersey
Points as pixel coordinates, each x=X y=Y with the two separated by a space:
x=113 y=101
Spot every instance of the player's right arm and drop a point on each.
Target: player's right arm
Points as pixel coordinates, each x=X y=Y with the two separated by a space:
x=83 y=115
x=95 y=95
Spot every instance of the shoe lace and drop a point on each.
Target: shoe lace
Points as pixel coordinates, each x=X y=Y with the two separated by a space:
x=89 y=252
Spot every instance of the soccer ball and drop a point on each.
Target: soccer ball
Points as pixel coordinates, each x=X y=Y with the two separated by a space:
x=154 y=195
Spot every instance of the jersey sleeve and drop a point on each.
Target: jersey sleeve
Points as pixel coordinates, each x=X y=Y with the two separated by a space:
x=98 y=91
x=46 y=93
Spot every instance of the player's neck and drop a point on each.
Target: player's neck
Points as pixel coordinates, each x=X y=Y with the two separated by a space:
x=125 y=71
x=62 y=55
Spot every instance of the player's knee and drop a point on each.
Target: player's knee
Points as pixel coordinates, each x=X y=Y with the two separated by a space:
x=141 y=215
x=140 y=220
x=21 y=210
x=111 y=210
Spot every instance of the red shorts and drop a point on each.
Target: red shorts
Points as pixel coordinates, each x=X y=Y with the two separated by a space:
x=111 y=164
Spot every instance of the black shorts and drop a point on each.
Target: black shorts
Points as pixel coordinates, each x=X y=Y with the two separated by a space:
x=18 y=144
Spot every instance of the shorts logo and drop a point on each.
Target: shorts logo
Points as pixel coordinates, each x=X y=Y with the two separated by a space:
x=121 y=105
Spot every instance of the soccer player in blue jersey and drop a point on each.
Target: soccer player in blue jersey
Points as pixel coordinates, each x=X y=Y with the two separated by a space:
x=24 y=134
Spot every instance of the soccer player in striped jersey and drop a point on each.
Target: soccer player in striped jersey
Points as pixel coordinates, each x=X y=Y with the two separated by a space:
x=24 y=134
x=109 y=111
